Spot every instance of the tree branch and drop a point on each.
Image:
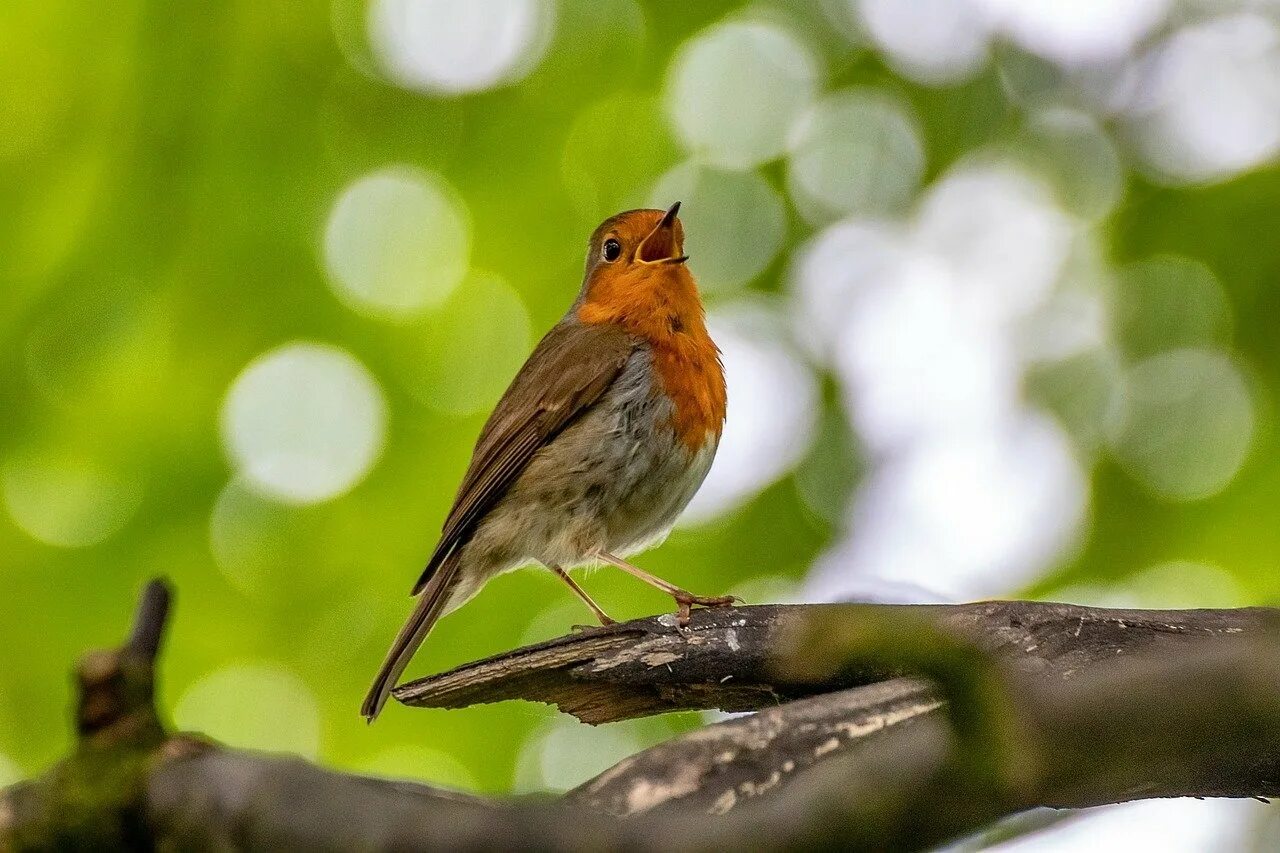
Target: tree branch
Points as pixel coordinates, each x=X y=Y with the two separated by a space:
x=1025 y=705
x=150 y=621
x=725 y=658
x=1203 y=725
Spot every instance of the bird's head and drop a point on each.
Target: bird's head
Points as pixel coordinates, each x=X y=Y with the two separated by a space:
x=636 y=271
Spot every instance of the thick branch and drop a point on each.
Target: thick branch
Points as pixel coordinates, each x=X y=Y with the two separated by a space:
x=900 y=764
x=723 y=659
x=1201 y=725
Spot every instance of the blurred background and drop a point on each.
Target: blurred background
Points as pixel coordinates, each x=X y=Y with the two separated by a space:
x=995 y=282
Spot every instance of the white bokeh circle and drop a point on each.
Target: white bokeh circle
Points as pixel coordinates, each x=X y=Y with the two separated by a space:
x=1001 y=233
x=919 y=360
x=398 y=241
x=831 y=272
x=735 y=89
x=1074 y=32
x=304 y=422
x=459 y=46
x=1205 y=104
x=962 y=515
x=857 y=151
x=930 y=41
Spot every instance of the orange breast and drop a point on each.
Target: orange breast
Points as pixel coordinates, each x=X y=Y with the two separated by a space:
x=665 y=311
x=690 y=373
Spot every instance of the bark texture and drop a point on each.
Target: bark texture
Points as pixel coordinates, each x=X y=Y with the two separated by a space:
x=1009 y=705
x=746 y=658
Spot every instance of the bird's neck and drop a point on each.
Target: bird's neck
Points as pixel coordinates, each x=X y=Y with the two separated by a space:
x=667 y=313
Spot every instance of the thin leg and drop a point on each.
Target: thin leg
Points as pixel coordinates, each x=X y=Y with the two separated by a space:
x=582 y=593
x=684 y=599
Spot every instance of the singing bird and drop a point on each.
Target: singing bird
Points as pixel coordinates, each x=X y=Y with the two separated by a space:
x=600 y=442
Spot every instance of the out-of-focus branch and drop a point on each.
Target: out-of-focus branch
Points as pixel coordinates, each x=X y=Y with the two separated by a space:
x=1202 y=725
x=901 y=764
x=893 y=765
x=725 y=658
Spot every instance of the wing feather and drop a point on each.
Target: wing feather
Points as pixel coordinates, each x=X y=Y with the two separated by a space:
x=568 y=371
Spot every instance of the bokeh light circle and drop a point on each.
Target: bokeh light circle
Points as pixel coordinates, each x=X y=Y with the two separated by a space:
x=1074 y=32
x=855 y=152
x=459 y=46
x=930 y=41
x=252 y=705
x=397 y=241
x=1205 y=104
x=1073 y=152
x=918 y=361
x=566 y=753
x=734 y=222
x=964 y=515
x=833 y=270
x=1183 y=423
x=1170 y=302
x=1001 y=233
x=735 y=89
x=304 y=422
x=69 y=502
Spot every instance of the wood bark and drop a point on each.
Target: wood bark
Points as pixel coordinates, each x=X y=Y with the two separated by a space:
x=736 y=659
x=1009 y=705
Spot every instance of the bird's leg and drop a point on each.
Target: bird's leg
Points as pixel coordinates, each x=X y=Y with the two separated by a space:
x=684 y=599
x=604 y=618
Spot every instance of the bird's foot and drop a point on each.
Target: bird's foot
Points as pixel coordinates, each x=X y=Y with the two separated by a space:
x=685 y=602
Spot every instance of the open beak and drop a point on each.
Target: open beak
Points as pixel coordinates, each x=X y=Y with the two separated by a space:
x=660 y=246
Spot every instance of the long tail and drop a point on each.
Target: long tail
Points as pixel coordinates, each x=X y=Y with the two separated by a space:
x=430 y=607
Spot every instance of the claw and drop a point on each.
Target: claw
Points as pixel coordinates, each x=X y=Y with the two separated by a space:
x=685 y=602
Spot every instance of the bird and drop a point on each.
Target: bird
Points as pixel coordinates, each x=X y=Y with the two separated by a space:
x=597 y=446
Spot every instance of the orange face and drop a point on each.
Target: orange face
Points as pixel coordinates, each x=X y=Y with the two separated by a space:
x=629 y=232
x=636 y=274
x=637 y=278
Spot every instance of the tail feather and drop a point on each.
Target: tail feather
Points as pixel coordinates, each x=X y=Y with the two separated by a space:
x=430 y=607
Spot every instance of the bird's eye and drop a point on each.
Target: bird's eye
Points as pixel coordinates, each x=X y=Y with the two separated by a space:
x=612 y=249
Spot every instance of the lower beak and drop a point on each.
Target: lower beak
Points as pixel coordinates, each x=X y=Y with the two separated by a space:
x=660 y=246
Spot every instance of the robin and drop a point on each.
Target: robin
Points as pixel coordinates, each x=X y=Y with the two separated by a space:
x=602 y=439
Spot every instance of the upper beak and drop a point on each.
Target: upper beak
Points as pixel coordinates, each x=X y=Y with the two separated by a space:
x=669 y=218
x=660 y=246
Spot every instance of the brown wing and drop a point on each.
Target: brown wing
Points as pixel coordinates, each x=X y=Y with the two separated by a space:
x=567 y=372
